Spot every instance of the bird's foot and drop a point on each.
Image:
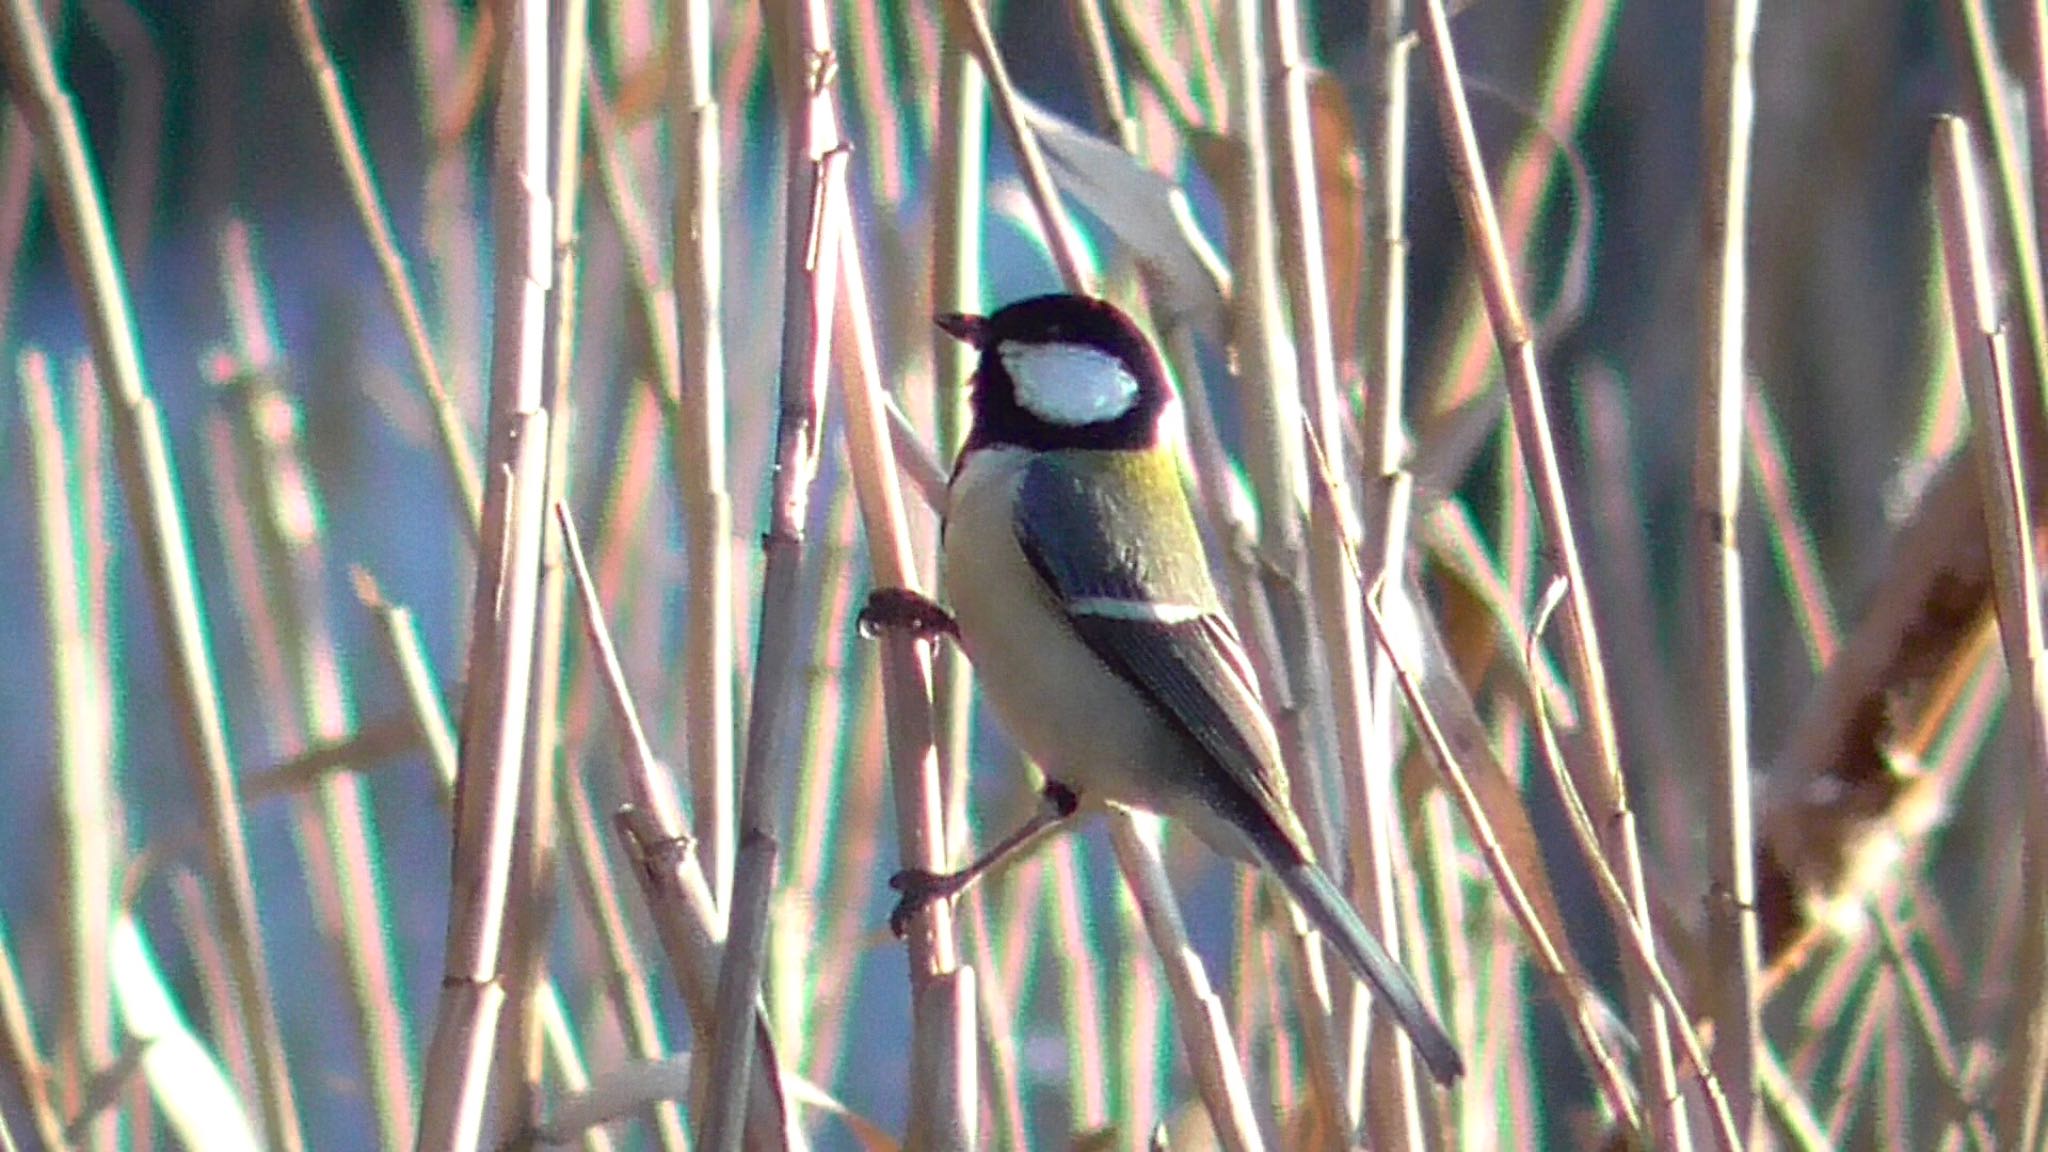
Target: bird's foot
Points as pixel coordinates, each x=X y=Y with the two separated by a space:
x=918 y=887
x=901 y=609
x=1062 y=799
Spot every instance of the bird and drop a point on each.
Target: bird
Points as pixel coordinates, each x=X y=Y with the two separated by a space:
x=1076 y=581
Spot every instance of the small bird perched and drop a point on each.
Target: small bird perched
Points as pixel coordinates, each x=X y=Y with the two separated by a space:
x=1082 y=594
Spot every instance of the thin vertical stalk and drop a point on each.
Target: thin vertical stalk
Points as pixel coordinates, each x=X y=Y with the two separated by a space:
x=945 y=1102
x=1205 y=1032
x=531 y=897
x=1991 y=108
x=151 y=490
x=1395 y=1120
x=700 y=436
x=288 y=614
x=504 y=620
x=1729 y=112
x=959 y=161
x=21 y=1064
x=970 y=17
x=1273 y=606
x=624 y=976
x=1981 y=346
x=1272 y=403
x=86 y=798
x=804 y=66
x=456 y=452
x=1589 y=676
x=1573 y=60
x=958 y=172
x=672 y=880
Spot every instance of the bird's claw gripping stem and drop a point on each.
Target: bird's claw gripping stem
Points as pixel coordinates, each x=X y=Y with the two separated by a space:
x=901 y=609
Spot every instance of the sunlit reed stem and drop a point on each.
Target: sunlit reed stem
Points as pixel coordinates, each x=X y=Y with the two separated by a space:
x=1601 y=774
x=147 y=479
x=505 y=612
x=466 y=483
x=1728 y=117
x=700 y=436
x=804 y=66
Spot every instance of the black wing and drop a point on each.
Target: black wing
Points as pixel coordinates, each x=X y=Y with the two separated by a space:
x=1155 y=619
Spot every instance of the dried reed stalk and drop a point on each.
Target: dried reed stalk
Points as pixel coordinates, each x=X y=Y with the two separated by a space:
x=466 y=484
x=805 y=66
x=505 y=614
x=147 y=481
x=1728 y=114
x=1601 y=773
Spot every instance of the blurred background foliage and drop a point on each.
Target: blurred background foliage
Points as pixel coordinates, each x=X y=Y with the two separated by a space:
x=204 y=128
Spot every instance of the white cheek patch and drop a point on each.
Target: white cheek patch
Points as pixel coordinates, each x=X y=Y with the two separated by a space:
x=1069 y=384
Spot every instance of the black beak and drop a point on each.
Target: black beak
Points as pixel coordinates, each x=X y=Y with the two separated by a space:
x=965 y=327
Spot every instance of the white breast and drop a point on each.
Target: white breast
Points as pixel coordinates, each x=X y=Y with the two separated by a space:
x=1061 y=705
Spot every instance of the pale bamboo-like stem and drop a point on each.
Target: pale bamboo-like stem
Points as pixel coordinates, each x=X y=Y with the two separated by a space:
x=1205 y=1032
x=1272 y=602
x=81 y=693
x=1934 y=1035
x=311 y=699
x=804 y=65
x=1728 y=117
x=1992 y=108
x=1981 y=345
x=1571 y=996
x=147 y=481
x=456 y=452
x=1395 y=1120
x=700 y=436
x=841 y=709
x=959 y=161
x=532 y=896
x=1637 y=943
x=21 y=1064
x=969 y=16
x=85 y=801
x=1580 y=41
x=673 y=882
x=1273 y=455
x=958 y=172
x=505 y=614
x=945 y=1104
x=624 y=976
x=279 y=491
x=1589 y=676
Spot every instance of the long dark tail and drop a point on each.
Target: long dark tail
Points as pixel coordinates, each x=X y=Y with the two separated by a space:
x=1331 y=914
